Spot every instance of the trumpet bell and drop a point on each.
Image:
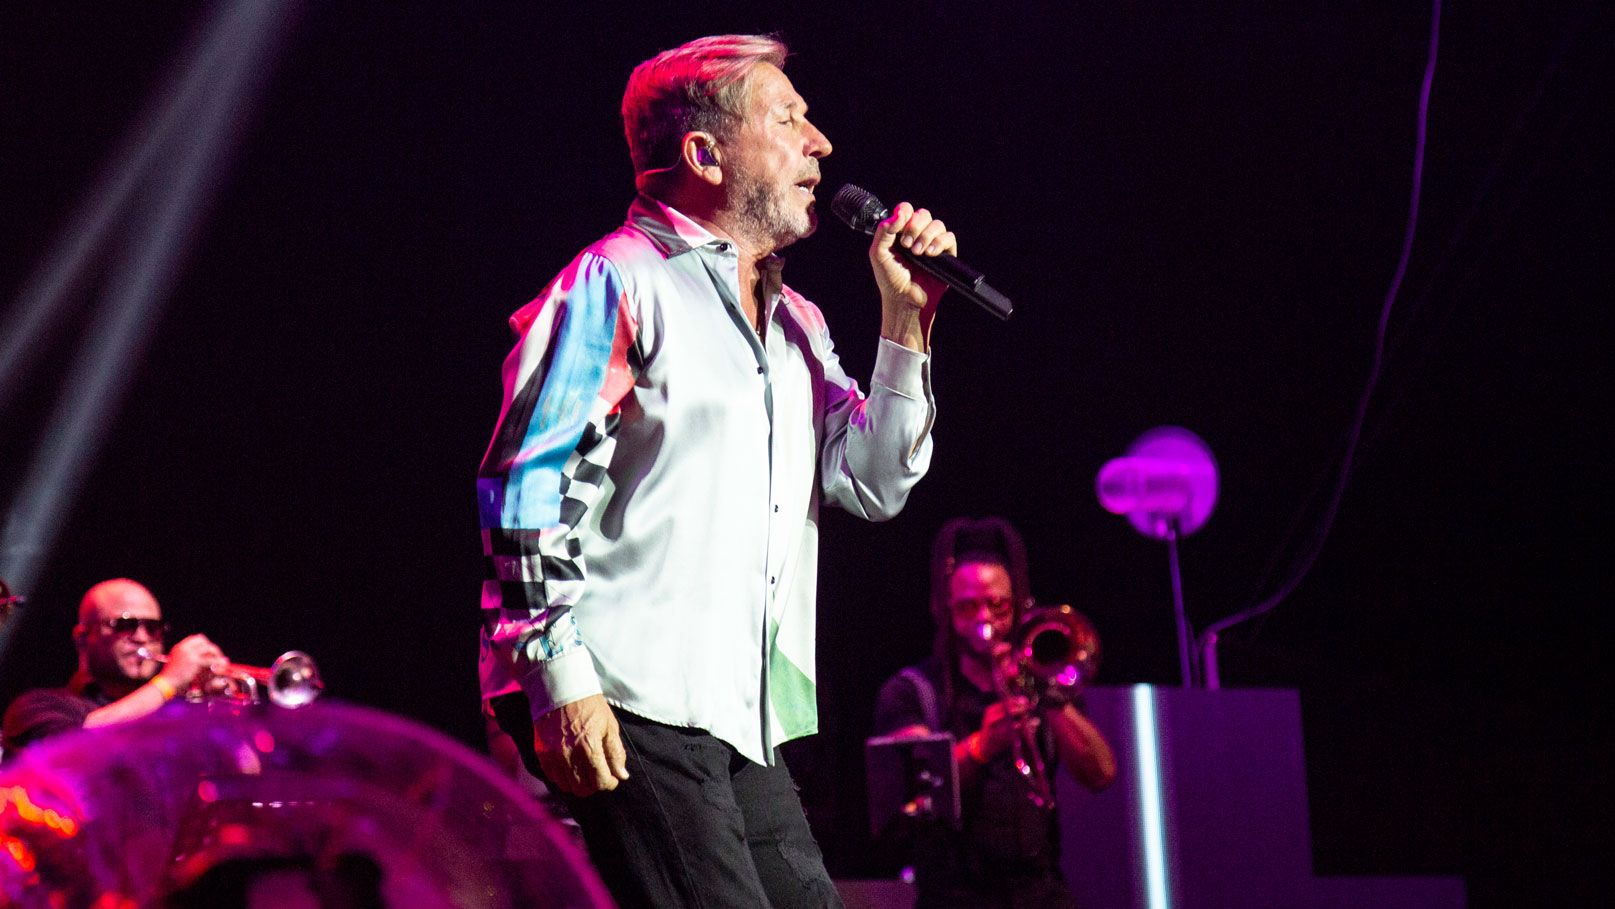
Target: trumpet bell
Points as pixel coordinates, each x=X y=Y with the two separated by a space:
x=294 y=680
x=1058 y=647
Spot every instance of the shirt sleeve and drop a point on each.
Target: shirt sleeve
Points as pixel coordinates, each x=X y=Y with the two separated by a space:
x=563 y=388
x=876 y=447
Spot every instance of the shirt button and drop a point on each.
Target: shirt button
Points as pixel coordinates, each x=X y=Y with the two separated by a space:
x=776 y=509
x=773 y=580
x=759 y=370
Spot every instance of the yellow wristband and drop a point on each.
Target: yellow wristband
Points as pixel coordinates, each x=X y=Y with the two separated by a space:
x=163 y=686
x=973 y=748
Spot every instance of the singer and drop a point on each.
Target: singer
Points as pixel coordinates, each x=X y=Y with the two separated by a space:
x=673 y=416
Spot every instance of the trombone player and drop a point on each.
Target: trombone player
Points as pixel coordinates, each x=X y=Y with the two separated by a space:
x=1006 y=853
x=120 y=629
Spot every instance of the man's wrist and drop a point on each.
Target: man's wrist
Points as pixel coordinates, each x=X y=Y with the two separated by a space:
x=903 y=324
x=566 y=677
x=976 y=747
x=164 y=687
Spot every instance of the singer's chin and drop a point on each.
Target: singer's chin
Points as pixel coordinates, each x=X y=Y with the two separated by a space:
x=800 y=230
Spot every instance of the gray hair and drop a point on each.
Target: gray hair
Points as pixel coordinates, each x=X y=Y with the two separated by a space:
x=698 y=86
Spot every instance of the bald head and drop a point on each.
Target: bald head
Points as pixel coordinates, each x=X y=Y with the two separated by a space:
x=112 y=654
x=119 y=596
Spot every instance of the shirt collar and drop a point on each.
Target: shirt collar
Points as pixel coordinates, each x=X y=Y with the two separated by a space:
x=675 y=233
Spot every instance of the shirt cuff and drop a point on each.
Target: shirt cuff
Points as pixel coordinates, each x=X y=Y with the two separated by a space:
x=900 y=369
x=560 y=680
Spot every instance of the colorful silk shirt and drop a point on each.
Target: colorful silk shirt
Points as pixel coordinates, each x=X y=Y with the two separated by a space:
x=649 y=502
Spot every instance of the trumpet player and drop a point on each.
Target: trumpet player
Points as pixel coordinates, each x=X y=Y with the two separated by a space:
x=120 y=629
x=1006 y=852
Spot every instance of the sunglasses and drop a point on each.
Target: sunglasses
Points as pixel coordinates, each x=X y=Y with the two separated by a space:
x=127 y=625
x=971 y=607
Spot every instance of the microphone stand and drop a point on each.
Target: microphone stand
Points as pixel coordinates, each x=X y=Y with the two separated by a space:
x=1185 y=633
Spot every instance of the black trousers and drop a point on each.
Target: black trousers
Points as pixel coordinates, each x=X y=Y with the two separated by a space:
x=694 y=825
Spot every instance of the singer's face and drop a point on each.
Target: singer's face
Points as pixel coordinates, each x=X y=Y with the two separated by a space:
x=772 y=162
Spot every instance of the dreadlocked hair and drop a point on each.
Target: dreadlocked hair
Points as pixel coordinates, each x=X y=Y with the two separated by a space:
x=962 y=541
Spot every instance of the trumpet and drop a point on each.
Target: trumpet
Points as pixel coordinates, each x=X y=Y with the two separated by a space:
x=1054 y=652
x=291 y=681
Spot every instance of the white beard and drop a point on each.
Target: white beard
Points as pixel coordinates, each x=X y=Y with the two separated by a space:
x=772 y=214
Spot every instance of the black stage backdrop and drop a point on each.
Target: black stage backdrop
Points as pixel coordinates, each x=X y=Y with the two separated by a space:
x=1198 y=209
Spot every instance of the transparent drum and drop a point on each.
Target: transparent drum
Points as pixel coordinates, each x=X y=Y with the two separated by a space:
x=329 y=805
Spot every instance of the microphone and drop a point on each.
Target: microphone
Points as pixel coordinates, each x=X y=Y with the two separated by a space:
x=862 y=211
x=1153 y=486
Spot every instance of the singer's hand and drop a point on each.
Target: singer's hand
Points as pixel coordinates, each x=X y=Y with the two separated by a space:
x=908 y=296
x=1004 y=721
x=580 y=747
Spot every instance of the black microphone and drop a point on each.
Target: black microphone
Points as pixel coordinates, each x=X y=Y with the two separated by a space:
x=862 y=212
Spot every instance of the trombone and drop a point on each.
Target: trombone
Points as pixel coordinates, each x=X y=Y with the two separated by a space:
x=1054 y=652
x=291 y=681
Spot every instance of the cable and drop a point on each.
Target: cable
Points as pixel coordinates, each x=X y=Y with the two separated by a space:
x=1488 y=187
x=1310 y=556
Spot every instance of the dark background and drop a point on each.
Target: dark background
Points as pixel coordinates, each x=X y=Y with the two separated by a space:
x=1198 y=209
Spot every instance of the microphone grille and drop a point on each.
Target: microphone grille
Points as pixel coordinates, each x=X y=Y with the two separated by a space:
x=858 y=208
